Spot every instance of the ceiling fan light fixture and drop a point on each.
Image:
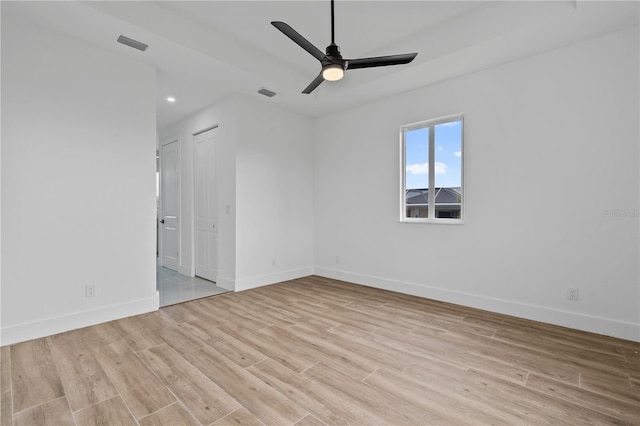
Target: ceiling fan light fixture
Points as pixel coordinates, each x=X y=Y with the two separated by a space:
x=332 y=72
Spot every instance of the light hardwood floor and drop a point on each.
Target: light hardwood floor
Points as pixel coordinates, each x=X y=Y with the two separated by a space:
x=315 y=351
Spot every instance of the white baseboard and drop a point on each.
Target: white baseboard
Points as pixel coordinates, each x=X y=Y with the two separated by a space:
x=259 y=281
x=49 y=326
x=226 y=283
x=590 y=323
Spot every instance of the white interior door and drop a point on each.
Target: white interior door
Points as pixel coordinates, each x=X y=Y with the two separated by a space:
x=169 y=206
x=206 y=205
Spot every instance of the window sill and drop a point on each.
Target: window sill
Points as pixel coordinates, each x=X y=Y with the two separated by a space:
x=433 y=221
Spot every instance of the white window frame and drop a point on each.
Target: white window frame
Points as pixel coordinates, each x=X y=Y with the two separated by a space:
x=403 y=173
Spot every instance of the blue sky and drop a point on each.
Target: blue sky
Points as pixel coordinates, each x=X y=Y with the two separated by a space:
x=448 y=161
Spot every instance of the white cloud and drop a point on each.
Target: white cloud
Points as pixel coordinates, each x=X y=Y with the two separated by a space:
x=458 y=154
x=423 y=168
x=418 y=169
x=441 y=168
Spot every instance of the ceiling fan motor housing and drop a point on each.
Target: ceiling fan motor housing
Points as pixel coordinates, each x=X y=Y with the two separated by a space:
x=334 y=50
x=333 y=56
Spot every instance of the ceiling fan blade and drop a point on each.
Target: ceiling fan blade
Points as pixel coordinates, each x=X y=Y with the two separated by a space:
x=315 y=83
x=380 y=61
x=299 y=40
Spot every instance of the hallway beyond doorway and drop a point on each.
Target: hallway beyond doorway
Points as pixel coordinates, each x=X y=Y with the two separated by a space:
x=177 y=288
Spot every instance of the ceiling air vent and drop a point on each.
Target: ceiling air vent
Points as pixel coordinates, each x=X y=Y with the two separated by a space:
x=266 y=92
x=132 y=43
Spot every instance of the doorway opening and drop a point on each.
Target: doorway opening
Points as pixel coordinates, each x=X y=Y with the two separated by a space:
x=175 y=282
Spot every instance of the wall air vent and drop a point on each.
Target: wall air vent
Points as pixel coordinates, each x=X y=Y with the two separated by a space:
x=266 y=92
x=132 y=43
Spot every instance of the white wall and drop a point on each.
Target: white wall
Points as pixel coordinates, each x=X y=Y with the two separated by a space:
x=551 y=148
x=78 y=183
x=274 y=195
x=264 y=160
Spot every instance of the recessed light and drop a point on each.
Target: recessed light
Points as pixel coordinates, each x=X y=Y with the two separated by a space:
x=171 y=99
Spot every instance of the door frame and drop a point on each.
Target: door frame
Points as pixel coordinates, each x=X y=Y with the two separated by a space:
x=161 y=201
x=193 y=200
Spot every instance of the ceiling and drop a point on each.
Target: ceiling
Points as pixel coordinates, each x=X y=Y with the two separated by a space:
x=206 y=50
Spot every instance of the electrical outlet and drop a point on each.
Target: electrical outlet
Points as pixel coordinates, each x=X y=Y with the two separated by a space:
x=338 y=259
x=273 y=261
x=572 y=293
x=90 y=290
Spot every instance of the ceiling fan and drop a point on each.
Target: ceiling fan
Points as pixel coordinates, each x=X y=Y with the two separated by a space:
x=333 y=65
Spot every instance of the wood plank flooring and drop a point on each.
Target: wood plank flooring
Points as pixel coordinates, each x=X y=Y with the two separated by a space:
x=316 y=351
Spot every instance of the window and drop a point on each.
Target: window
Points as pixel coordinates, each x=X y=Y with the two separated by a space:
x=431 y=159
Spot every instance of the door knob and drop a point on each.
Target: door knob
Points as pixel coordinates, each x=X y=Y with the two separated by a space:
x=162 y=221
x=213 y=226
